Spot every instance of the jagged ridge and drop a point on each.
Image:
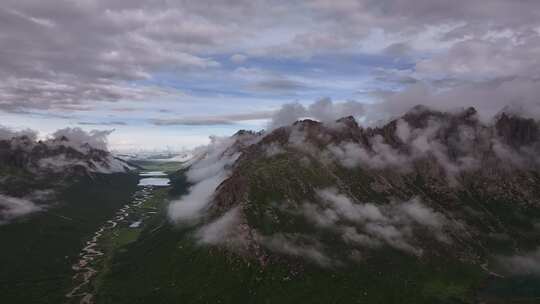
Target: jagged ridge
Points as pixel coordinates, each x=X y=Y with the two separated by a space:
x=481 y=178
x=26 y=163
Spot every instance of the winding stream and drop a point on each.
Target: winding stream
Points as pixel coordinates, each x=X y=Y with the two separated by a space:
x=84 y=272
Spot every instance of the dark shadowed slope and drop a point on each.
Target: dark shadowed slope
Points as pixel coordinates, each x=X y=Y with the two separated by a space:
x=38 y=251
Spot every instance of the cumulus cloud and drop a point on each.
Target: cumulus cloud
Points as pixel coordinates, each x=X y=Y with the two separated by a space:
x=324 y=110
x=288 y=114
x=12 y=208
x=47 y=64
x=8 y=133
x=78 y=138
x=122 y=42
x=489 y=97
x=497 y=54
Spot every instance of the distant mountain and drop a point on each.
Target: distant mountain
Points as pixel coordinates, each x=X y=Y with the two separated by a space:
x=155 y=156
x=32 y=171
x=427 y=185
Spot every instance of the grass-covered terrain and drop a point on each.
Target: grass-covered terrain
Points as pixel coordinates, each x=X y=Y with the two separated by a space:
x=166 y=265
x=523 y=289
x=157 y=262
x=152 y=165
x=37 y=252
x=114 y=241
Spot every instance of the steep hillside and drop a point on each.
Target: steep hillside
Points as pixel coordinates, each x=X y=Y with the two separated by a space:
x=429 y=208
x=427 y=184
x=437 y=188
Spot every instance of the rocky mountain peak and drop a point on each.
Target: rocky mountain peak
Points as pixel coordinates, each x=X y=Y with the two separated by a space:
x=307 y=123
x=517 y=131
x=427 y=162
x=57 y=155
x=470 y=112
x=348 y=121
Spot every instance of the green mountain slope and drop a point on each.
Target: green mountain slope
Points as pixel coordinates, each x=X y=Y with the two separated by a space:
x=426 y=209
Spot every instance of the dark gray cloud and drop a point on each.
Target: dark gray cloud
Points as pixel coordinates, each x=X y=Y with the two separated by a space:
x=70 y=53
x=489 y=97
x=68 y=93
x=508 y=55
x=386 y=75
x=104 y=123
x=67 y=55
x=398 y=49
x=212 y=120
x=280 y=85
x=8 y=133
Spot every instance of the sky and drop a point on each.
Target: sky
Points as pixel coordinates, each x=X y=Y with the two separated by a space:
x=168 y=74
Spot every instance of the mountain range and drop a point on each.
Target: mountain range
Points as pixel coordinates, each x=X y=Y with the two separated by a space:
x=429 y=207
x=435 y=187
x=32 y=171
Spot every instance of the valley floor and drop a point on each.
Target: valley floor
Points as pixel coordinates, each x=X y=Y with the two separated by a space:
x=132 y=254
x=122 y=229
x=38 y=252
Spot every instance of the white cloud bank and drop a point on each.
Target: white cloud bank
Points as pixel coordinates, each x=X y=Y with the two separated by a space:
x=12 y=208
x=370 y=225
x=8 y=133
x=221 y=230
x=209 y=167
